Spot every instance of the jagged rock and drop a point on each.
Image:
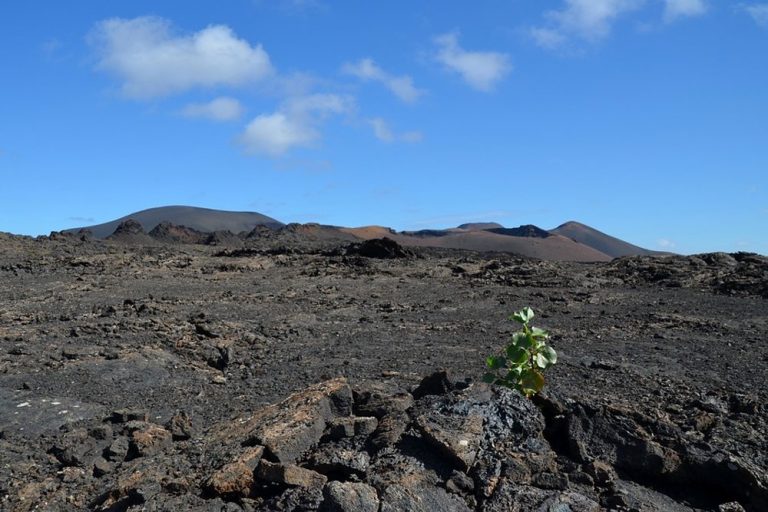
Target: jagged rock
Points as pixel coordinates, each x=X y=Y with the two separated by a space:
x=169 y=232
x=126 y=415
x=129 y=227
x=437 y=383
x=456 y=436
x=77 y=448
x=397 y=498
x=101 y=432
x=552 y=481
x=290 y=475
x=101 y=467
x=289 y=429
x=510 y=496
x=460 y=483
x=526 y=230
x=349 y=497
x=380 y=401
x=234 y=479
x=148 y=441
x=118 y=450
x=731 y=506
x=744 y=403
x=602 y=472
x=381 y=248
x=335 y=459
x=226 y=238
x=180 y=426
x=295 y=499
x=390 y=429
x=346 y=427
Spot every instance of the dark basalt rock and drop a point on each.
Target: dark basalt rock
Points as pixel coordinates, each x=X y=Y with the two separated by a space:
x=527 y=230
x=658 y=402
x=472 y=447
x=740 y=274
x=171 y=233
x=128 y=227
x=379 y=248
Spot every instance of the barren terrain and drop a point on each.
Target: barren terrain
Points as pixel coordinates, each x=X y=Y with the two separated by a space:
x=124 y=370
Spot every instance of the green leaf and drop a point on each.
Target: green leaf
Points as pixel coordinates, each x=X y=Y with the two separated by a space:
x=531 y=382
x=513 y=375
x=549 y=354
x=495 y=362
x=526 y=314
x=529 y=341
x=524 y=359
x=517 y=355
x=519 y=339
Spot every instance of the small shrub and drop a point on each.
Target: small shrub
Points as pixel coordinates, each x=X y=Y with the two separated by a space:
x=521 y=365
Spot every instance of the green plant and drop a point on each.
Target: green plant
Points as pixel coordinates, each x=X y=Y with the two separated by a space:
x=521 y=365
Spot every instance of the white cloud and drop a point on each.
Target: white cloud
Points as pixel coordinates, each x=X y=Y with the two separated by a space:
x=666 y=244
x=547 y=37
x=295 y=124
x=219 y=109
x=674 y=9
x=384 y=133
x=381 y=129
x=758 y=12
x=318 y=104
x=400 y=86
x=481 y=70
x=275 y=134
x=587 y=19
x=151 y=61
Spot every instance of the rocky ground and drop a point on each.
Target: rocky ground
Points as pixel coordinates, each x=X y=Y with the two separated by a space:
x=142 y=376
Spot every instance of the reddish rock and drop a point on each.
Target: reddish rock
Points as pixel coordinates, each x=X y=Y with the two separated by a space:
x=290 y=475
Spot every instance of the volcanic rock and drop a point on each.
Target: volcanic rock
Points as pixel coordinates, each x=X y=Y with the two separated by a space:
x=349 y=497
x=128 y=227
x=528 y=230
x=380 y=248
x=320 y=367
x=171 y=233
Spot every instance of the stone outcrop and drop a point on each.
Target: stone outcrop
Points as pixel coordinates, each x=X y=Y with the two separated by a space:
x=459 y=446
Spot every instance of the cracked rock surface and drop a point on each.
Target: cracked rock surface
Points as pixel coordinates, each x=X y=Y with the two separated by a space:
x=306 y=376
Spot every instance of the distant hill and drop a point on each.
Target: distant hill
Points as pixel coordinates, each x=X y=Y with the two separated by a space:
x=571 y=241
x=598 y=240
x=525 y=240
x=199 y=219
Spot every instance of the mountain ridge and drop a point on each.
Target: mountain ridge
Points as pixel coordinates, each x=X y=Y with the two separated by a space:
x=602 y=242
x=200 y=219
x=571 y=241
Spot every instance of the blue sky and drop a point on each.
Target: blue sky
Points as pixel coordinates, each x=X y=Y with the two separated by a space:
x=646 y=119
